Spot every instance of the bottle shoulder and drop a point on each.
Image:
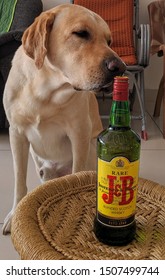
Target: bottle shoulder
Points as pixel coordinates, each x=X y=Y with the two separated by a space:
x=118 y=142
x=124 y=134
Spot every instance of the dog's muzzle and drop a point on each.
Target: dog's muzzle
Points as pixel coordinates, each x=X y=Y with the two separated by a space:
x=113 y=67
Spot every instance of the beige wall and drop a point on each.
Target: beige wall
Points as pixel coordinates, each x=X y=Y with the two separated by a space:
x=48 y=4
x=154 y=70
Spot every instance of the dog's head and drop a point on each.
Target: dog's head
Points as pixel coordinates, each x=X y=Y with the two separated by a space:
x=77 y=42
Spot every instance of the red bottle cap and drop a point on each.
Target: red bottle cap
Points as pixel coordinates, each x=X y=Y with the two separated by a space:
x=120 y=88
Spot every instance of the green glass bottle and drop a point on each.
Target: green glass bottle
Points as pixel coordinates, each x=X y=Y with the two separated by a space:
x=118 y=152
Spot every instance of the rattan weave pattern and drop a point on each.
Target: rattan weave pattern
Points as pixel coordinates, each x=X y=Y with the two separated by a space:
x=55 y=221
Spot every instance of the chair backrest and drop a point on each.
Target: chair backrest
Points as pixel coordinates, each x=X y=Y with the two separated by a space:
x=25 y=13
x=120 y=15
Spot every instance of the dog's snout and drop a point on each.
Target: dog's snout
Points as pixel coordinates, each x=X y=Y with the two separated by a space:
x=115 y=66
x=112 y=66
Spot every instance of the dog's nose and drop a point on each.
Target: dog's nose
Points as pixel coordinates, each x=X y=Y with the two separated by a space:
x=115 y=66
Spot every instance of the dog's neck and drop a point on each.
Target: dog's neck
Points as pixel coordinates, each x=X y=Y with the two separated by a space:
x=55 y=87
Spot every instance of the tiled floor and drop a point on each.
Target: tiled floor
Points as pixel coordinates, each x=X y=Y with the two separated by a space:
x=151 y=167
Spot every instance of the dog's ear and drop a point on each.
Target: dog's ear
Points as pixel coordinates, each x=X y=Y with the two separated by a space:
x=36 y=36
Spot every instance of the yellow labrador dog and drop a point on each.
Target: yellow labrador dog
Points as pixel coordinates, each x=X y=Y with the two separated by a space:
x=48 y=101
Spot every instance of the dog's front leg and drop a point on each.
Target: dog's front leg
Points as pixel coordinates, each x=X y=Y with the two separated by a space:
x=81 y=151
x=20 y=147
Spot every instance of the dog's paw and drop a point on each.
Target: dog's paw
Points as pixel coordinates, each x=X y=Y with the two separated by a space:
x=6 y=229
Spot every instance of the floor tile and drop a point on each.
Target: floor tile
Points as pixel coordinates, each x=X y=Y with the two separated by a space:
x=7 y=181
x=152 y=165
x=7 y=251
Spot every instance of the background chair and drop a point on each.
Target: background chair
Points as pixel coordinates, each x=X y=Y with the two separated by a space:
x=24 y=13
x=156 y=11
x=131 y=41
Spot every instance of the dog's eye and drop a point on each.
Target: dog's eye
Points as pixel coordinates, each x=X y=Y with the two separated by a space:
x=82 y=34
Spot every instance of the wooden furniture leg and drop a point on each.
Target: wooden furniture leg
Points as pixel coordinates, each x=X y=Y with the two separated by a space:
x=164 y=110
x=159 y=98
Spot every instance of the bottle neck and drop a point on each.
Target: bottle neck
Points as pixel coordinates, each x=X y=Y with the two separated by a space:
x=120 y=114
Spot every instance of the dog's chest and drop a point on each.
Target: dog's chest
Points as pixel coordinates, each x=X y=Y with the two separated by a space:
x=49 y=140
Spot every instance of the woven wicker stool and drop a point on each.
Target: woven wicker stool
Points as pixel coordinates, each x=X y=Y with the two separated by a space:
x=55 y=221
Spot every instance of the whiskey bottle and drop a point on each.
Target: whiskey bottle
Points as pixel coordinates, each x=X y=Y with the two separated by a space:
x=118 y=152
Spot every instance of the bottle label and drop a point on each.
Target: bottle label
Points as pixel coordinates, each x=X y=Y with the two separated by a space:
x=117 y=191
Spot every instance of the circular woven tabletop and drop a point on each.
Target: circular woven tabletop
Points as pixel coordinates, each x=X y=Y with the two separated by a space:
x=55 y=221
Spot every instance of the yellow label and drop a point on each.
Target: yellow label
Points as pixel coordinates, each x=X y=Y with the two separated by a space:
x=117 y=191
